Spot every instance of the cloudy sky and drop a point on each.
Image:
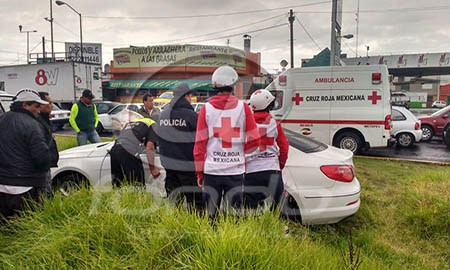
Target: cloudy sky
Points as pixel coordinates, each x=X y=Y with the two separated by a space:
x=386 y=26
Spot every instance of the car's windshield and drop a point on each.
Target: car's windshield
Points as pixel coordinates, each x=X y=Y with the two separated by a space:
x=166 y=95
x=117 y=109
x=440 y=111
x=304 y=144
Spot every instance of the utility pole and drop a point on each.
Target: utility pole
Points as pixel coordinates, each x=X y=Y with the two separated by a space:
x=51 y=30
x=43 y=50
x=291 y=25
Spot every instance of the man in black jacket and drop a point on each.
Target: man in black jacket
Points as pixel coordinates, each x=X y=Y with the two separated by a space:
x=44 y=119
x=177 y=127
x=24 y=153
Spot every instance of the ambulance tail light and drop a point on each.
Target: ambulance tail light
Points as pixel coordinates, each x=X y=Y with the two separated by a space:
x=387 y=122
x=417 y=126
x=376 y=78
x=282 y=80
x=341 y=173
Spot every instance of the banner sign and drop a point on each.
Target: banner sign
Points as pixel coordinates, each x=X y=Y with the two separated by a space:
x=92 y=52
x=179 y=55
x=404 y=60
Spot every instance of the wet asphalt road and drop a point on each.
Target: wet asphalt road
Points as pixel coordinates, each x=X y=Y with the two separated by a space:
x=435 y=150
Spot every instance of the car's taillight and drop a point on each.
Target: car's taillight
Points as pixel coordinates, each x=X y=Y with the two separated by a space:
x=341 y=173
x=417 y=126
x=52 y=115
x=282 y=80
x=387 y=122
x=376 y=78
x=68 y=114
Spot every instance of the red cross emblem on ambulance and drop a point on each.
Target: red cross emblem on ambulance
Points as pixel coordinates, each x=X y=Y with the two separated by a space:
x=265 y=141
x=226 y=132
x=297 y=99
x=374 y=97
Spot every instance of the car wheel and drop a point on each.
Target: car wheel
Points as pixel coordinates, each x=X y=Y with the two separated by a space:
x=405 y=139
x=68 y=183
x=349 y=141
x=99 y=128
x=290 y=209
x=428 y=133
x=446 y=136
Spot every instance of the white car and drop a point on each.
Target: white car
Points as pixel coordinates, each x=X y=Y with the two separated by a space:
x=118 y=121
x=320 y=183
x=196 y=105
x=105 y=119
x=406 y=128
x=59 y=117
x=439 y=104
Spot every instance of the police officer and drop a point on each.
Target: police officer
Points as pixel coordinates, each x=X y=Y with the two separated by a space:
x=225 y=131
x=177 y=127
x=126 y=165
x=264 y=165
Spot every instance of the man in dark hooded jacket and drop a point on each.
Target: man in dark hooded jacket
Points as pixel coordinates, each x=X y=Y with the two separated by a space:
x=44 y=119
x=24 y=154
x=177 y=127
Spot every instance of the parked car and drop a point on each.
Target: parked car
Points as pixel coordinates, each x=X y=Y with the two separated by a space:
x=165 y=98
x=433 y=125
x=59 y=117
x=439 y=104
x=119 y=120
x=104 y=119
x=405 y=127
x=6 y=100
x=104 y=106
x=196 y=105
x=320 y=183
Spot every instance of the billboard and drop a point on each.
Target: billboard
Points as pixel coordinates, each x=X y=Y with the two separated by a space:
x=92 y=52
x=179 y=55
x=404 y=60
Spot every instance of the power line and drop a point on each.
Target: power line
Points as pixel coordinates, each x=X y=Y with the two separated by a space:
x=309 y=35
x=246 y=32
x=203 y=15
x=260 y=33
x=218 y=32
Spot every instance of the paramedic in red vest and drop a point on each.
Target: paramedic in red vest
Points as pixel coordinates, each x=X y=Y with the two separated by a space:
x=225 y=131
x=263 y=166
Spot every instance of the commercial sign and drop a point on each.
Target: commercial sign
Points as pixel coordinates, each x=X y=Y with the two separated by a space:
x=404 y=60
x=92 y=52
x=179 y=55
x=160 y=84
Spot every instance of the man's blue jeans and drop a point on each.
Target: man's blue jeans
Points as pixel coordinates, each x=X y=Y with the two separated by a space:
x=84 y=136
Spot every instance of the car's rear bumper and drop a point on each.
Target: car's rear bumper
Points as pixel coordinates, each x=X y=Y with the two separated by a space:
x=325 y=206
x=59 y=122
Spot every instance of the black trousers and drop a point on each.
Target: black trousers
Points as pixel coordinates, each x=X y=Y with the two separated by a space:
x=227 y=186
x=180 y=185
x=125 y=167
x=11 y=204
x=260 y=185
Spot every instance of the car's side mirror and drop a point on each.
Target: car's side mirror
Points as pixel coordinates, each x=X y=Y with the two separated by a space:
x=445 y=116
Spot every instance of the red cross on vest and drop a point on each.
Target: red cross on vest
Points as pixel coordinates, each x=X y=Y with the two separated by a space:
x=374 y=97
x=265 y=141
x=297 y=99
x=226 y=132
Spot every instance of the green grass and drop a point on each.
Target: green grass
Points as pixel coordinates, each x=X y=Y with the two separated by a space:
x=403 y=223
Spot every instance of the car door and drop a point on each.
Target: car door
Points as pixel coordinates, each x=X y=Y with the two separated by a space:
x=441 y=121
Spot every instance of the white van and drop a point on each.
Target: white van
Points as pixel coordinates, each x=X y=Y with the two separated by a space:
x=344 y=106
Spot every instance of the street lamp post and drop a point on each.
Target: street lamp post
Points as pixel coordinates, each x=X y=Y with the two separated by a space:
x=60 y=3
x=28 y=41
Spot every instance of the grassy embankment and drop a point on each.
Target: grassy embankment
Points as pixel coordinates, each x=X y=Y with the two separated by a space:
x=403 y=223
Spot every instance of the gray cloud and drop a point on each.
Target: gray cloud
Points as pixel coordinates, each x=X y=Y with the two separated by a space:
x=411 y=27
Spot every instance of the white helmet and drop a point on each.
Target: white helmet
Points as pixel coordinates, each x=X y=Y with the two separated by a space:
x=224 y=76
x=260 y=99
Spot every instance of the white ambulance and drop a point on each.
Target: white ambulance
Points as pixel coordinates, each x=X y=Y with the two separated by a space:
x=344 y=106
